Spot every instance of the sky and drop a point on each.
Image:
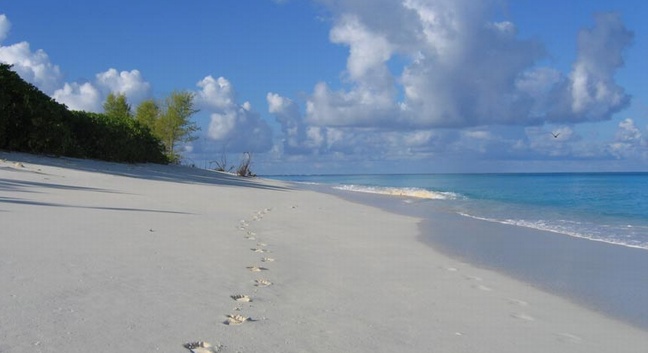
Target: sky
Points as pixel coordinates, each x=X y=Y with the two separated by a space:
x=359 y=86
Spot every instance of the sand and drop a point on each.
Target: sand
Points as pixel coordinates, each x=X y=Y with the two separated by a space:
x=143 y=258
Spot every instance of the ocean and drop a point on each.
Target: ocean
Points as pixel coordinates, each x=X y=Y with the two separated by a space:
x=605 y=207
x=582 y=236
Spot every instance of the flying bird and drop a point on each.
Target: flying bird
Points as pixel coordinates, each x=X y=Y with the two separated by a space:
x=555 y=134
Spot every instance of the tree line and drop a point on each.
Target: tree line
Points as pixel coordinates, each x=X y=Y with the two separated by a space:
x=31 y=121
x=170 y=121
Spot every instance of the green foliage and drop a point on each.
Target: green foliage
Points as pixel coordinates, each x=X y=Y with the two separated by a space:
x=116 y=106
x=147 y=114
x=30 y=121
x=174 y=125
x=116 y=139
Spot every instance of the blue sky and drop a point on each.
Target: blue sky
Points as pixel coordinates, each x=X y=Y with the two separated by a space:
x=357 y=86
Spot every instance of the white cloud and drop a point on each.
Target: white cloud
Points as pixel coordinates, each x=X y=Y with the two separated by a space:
x=130 y=83
x=461 y=69
x=36 y=68
x=89 y=96
x=371 y=101
x=33 y=67
x=5 y=25
x=628 y=132
x=629 y=141
x=215 y=94
x=595 y=95
x=368 y=51
x=298 y=137
x=79 y=96
x=235 y=127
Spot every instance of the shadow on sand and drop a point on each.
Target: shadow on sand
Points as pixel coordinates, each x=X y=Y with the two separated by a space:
x=169 y=173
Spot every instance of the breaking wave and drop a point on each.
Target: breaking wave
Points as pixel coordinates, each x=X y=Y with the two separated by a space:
x=402 y=192
x=617 y=235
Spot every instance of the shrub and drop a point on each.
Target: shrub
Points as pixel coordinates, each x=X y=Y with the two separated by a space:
x=244 y=168
x=32 y=122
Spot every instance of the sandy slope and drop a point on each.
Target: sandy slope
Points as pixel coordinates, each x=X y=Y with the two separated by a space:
x=115 y=258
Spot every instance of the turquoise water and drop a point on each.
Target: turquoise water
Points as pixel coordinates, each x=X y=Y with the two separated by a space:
x=607 y=207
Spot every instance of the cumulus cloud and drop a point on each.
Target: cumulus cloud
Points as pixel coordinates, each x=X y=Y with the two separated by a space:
x=5 y=25
x=287 y=114
x=236 y=127
x=90 y=96
x=76 y=96
x=301 y=138
x=372 y=98
x=629 y=141
x=33 y=67
x=215 y=94
x=129 y=83
x=462 y=69
x=595 y=95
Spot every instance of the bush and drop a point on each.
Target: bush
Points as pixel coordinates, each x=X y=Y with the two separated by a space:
x=244 y=167
x=116 y=139
x=32 y=122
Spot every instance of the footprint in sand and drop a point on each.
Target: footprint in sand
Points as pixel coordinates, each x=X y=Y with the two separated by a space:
x=267 y=259
x=569 y=338
x=262 y=283
x=259 y=250
x=241 y=298
x=523 y=316
x=201 y=347
x=236 y=319
x=256 y=268
x=474 y=278
x=517 y=302
x=451 y=269
x=484 y=288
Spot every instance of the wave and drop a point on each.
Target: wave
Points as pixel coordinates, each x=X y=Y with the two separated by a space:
x=403 y=192
x=567 y=230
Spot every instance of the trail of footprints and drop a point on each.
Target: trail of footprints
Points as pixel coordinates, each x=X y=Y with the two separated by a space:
x=236 y=319
x=477 y=284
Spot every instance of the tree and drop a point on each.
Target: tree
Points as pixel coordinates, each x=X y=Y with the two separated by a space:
x=147 y=114
x=174 y=125
x=117 y=106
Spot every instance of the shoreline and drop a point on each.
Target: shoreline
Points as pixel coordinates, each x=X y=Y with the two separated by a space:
x=146 y=257
x=603 y=277
x=600 y=276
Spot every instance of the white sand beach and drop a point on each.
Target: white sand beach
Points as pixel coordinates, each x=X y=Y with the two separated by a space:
x=108 y=257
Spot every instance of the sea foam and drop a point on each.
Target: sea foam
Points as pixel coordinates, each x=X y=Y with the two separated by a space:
x=403 y=192
x=565 y=227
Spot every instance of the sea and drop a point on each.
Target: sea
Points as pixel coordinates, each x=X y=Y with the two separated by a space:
x=582 y=236
x=604 y=207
